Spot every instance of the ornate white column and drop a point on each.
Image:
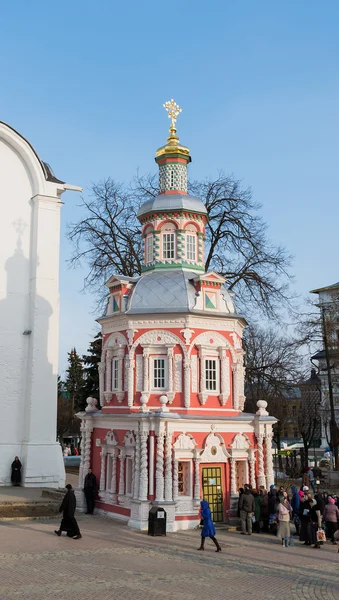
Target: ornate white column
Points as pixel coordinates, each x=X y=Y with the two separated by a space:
x=151 y=464
x=235 y=370
x=225 y=376
x=187 y=382
x=109 y=356
x=233 y=476
x=168 y=466
x=136 y=464
x=120 y=392
x=82 y=448
x=170 y=393
x=101 y=369
x=175 y=478
x=203 y=394
x=146 y=369
x=129 y=364
x=87 y=448
x=269 y=460
x=122 y=456
x=103 y=469
x=251 y=460
x=261 y=468
x=159 y=468
x=197 y=490
x=114 y=471
x=143 y=484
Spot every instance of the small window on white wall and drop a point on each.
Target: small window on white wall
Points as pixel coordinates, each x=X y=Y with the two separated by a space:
x=149 y=248
x=211 y=374
x=115 y=371
x=191 y=246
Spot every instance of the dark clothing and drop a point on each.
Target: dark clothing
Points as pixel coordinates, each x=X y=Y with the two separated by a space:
x=90 y=487
x=68 y=506
x=295 y=502
x=16 y=472
x=320 y=503
x=272 y=502
x=305 y=521
x=331 y=528
x=246 y=502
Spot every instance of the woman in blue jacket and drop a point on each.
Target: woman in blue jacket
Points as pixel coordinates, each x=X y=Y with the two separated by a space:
x=208 y=529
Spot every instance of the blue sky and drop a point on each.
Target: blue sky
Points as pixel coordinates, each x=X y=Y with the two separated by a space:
x=259 y=86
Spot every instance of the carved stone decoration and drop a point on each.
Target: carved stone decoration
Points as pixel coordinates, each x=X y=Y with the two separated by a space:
x=233 y=476
x=103 y=469
x=251 y=460
x=129 y=439
x=126 y=367
x=175 y=479
x=114 y=340
x=130 y=335
x=91 y=405
x=178 y=373
x=187 y=382
x=262 y=405
x=114 y=454
x=197 y=491
x=214 y=449
x=159 y=337
x=261 y=468
x=110 y=438
x=240 y=442
x=168 y=466
x=213 y=339
x=139 y=372
x=87 y=448
x=159 y=468
x=187 y=333
x=143 y=485
x=269 y=459
x=194 y=370
x=136 y=464
x=236 y=340
x=185 y=441
x=122 y=456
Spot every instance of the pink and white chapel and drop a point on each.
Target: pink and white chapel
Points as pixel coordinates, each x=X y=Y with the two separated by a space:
x=171 y=429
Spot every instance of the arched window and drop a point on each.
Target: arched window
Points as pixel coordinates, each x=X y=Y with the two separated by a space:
x=168 y=241
x=191 y=242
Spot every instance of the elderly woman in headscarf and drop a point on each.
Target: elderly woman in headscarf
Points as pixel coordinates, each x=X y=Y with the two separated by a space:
x=284 y=517
x=208 y=529
x=16 y=471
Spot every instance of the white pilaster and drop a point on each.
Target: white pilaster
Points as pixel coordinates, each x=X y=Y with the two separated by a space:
x=151 y=464
x=187 y=382
x=136 y=464
x=168 y=466
x=103 y=469
x=114 y=471
x=197 y=487
x=130 y=365
x=233 y=476
x=269 y=459
x=261 y=468
x=225 y=376
x=159 y=469
x=143 y=485
x=175 y=479
x=122 y=456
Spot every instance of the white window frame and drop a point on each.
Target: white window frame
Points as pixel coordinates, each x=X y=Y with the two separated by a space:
x=191 y=240
x=115 y=373
x=212 y=392
x=152 y=386
x=168 y=245
x=149 y=248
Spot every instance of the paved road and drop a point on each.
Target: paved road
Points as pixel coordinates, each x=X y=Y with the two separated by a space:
x=112 y=562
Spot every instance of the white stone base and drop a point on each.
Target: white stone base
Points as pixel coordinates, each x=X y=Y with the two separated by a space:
x=185 y=524
x=7 y=454
x=43 y=465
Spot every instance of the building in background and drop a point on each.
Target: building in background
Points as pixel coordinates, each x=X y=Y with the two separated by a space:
x=172 y=428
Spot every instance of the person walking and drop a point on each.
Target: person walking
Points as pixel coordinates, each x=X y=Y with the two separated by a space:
x=246 y=506
x=16 y=471
x=331 y=518
x=69 y=522
x=284 y=516
x=295 y=505
x=90 y=488
x=208 y=529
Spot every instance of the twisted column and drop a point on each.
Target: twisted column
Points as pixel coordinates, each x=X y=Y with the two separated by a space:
x=114 y=472
x=197 y=491
x=102 y=470
x=146 y=369
x=168 y=467
x=233 y=476
x=122 y=473
x=175 y=479
x=136 y=464
x=269 y=460
x=261 y=468
x=143 y=485
x=159 y=468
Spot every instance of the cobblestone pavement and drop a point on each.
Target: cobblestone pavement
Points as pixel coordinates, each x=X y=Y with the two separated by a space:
x=113 y=562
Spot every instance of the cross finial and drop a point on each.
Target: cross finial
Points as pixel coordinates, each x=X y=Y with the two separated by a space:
x=173 y=110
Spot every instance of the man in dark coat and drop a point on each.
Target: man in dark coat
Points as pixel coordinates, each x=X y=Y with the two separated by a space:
x=90 y=488
x=69 y=523
x=246 y=506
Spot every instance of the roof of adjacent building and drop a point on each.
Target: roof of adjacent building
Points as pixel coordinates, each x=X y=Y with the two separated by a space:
x=170 y=202
x=324 y=289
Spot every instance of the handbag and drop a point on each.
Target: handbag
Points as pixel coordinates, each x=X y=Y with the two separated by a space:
x=321 y=537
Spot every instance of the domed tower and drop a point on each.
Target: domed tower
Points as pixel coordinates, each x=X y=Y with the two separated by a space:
x=171 y=427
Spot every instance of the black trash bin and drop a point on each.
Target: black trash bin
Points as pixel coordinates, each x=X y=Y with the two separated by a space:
x=157 y=521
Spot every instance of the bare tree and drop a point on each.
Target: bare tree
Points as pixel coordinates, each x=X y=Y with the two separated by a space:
x=108 y=239
x=309 y=422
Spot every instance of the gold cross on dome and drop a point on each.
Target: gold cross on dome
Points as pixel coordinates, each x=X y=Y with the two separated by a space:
x=173 y=110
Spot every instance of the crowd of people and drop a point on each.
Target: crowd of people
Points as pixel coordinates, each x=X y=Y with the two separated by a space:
x=315 y=515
